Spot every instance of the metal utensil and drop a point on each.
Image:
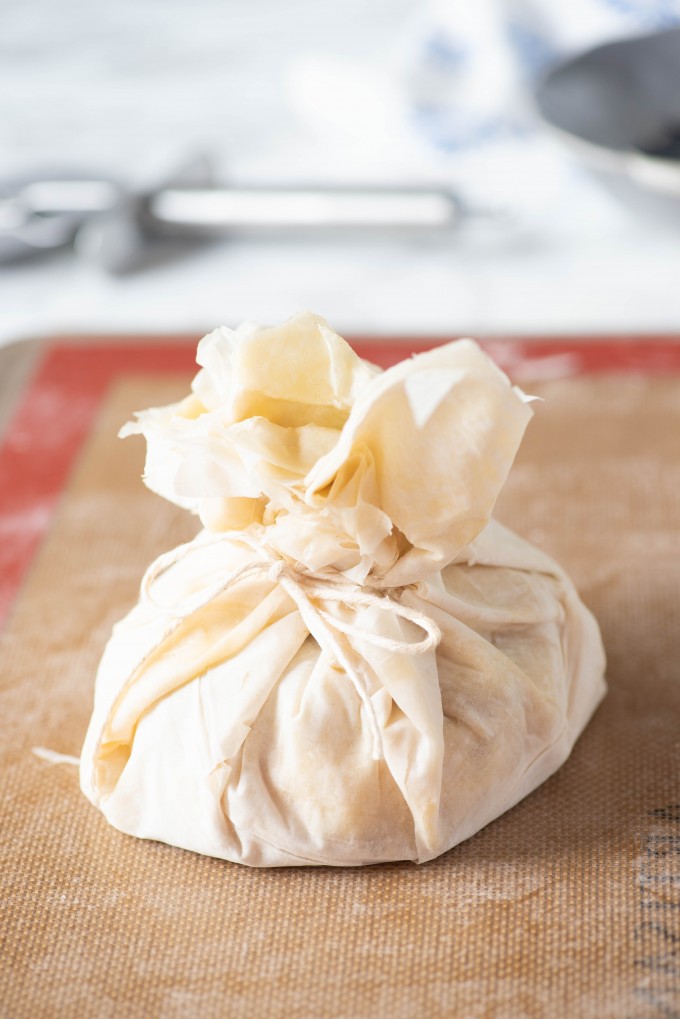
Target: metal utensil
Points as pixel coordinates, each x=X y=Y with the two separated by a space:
x=42 y=213
x=122 y=229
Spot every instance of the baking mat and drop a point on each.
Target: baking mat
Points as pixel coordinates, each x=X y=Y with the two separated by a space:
x=569 y=905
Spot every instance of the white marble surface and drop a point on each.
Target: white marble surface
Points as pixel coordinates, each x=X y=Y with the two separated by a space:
x=126 y=89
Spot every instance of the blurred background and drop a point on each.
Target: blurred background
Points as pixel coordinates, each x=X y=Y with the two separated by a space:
x=387 y=93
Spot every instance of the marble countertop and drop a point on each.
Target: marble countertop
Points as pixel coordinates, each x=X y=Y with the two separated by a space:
x=127 y=89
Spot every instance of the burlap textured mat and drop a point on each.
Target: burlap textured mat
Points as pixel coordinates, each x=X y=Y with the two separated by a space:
x=568 y=906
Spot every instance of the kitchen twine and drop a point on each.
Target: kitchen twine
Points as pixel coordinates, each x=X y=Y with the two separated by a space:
x=304 y=587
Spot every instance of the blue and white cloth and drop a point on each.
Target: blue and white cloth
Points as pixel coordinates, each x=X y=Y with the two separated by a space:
x=471 y=64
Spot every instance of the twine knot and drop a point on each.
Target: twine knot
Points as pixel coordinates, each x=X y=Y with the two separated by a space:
x=313 y=593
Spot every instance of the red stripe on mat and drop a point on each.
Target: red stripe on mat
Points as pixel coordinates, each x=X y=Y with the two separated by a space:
x=46 y=434
x=60 y=404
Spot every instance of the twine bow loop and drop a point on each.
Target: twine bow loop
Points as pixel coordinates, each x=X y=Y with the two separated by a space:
x=314 y=594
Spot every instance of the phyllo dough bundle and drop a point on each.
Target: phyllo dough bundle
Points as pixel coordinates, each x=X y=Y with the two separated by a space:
x=351 y=663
